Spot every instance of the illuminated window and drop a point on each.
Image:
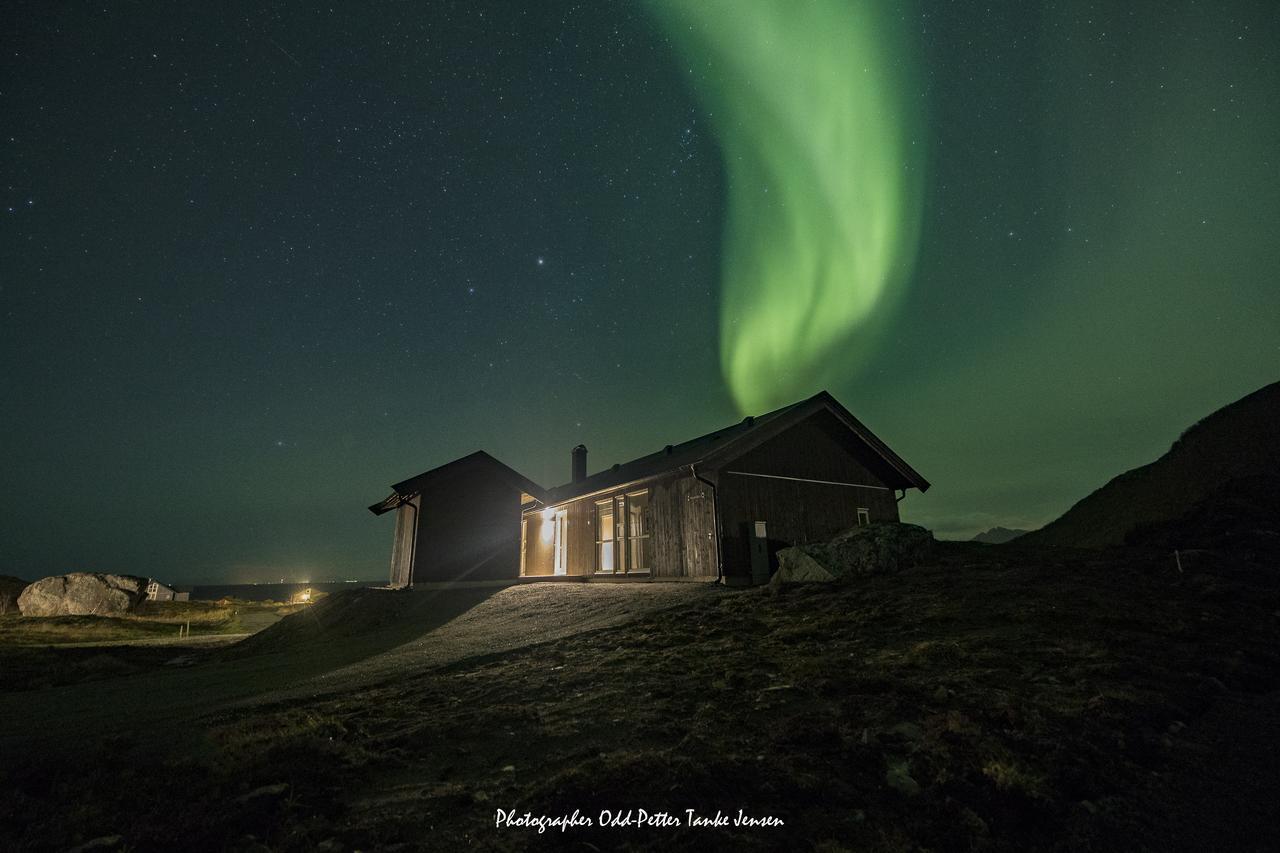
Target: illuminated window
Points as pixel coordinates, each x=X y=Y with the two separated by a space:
x=622 y=533
x=637 y=531
x=605 y=538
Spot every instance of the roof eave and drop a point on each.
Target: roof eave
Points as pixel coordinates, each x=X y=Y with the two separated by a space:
x=553 y=499
x=392 y=501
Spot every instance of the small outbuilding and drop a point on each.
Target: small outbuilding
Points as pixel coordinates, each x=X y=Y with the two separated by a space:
x=715 y=508
x=157 y=591
x=459 y=522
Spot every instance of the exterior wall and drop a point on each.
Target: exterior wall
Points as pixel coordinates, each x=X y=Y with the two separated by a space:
x=157 y=591
x=468 y=530
x=683 y=513
x=402 y=544
x=818 y=448
x=539 y=553
x=796 y=509
x=537 y=557
x=681 y=532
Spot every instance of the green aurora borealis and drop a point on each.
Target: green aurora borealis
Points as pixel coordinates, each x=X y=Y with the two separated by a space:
x=257 y=262
x=815 y=108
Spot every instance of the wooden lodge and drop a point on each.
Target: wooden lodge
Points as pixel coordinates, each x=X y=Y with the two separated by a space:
x=715 y=508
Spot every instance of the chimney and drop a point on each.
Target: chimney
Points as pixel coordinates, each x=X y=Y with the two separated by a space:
x=579 y=463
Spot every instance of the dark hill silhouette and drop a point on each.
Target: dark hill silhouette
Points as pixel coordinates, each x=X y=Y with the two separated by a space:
x=998 y=535
x=1207 y=485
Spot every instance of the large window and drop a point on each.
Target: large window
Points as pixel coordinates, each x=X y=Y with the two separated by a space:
x=606 y=540
x=622 y=533
x=637 y=504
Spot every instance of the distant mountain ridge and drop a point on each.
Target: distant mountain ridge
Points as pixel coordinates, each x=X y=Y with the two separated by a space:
x=1239 y=442
x=998 y=535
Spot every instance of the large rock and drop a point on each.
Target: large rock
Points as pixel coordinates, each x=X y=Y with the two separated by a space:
x=10 y=589
x=868 y=550
x=82 y=594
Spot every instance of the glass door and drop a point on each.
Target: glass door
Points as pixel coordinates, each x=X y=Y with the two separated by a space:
x=561 y=544
x=637 y=509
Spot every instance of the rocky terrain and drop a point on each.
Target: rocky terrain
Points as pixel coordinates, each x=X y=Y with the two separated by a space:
x=876 y=549
x=83 y=594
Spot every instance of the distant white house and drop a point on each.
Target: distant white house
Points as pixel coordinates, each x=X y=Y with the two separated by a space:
x=157 y=591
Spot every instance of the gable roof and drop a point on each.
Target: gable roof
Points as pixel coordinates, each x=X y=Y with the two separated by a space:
x=478 y=463
x=728 y=443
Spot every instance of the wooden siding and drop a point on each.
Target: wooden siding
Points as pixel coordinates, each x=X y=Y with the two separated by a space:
x=580 y=535
x=683 y=520
x=469 y=529
x=817 y=448
x=681 y=531
x=794 y=508
x=402 y=544
x=538 y=554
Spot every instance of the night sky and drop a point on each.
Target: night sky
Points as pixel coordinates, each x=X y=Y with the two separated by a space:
x=258 y=261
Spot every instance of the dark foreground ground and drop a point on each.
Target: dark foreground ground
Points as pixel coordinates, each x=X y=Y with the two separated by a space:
x=996 y=699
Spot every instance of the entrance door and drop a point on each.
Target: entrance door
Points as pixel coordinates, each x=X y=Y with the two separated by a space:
x=561 y=543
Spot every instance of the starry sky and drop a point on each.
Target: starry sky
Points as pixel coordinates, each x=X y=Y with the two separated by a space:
x=260 y=260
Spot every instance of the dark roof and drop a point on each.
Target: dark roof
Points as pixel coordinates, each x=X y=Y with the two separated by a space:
x=470 y=465
x=732 y=441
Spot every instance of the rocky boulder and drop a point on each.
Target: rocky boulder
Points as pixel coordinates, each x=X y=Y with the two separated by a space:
x=82 y=594
x=868 y=550
x=10 y=589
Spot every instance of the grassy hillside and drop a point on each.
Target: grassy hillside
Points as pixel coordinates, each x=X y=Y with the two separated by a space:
x=994 y=699
x=1239 y=441
x=151 y=620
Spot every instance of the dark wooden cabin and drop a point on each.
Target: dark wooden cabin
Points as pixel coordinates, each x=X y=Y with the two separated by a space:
x=698 y=510
x=716 y=508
